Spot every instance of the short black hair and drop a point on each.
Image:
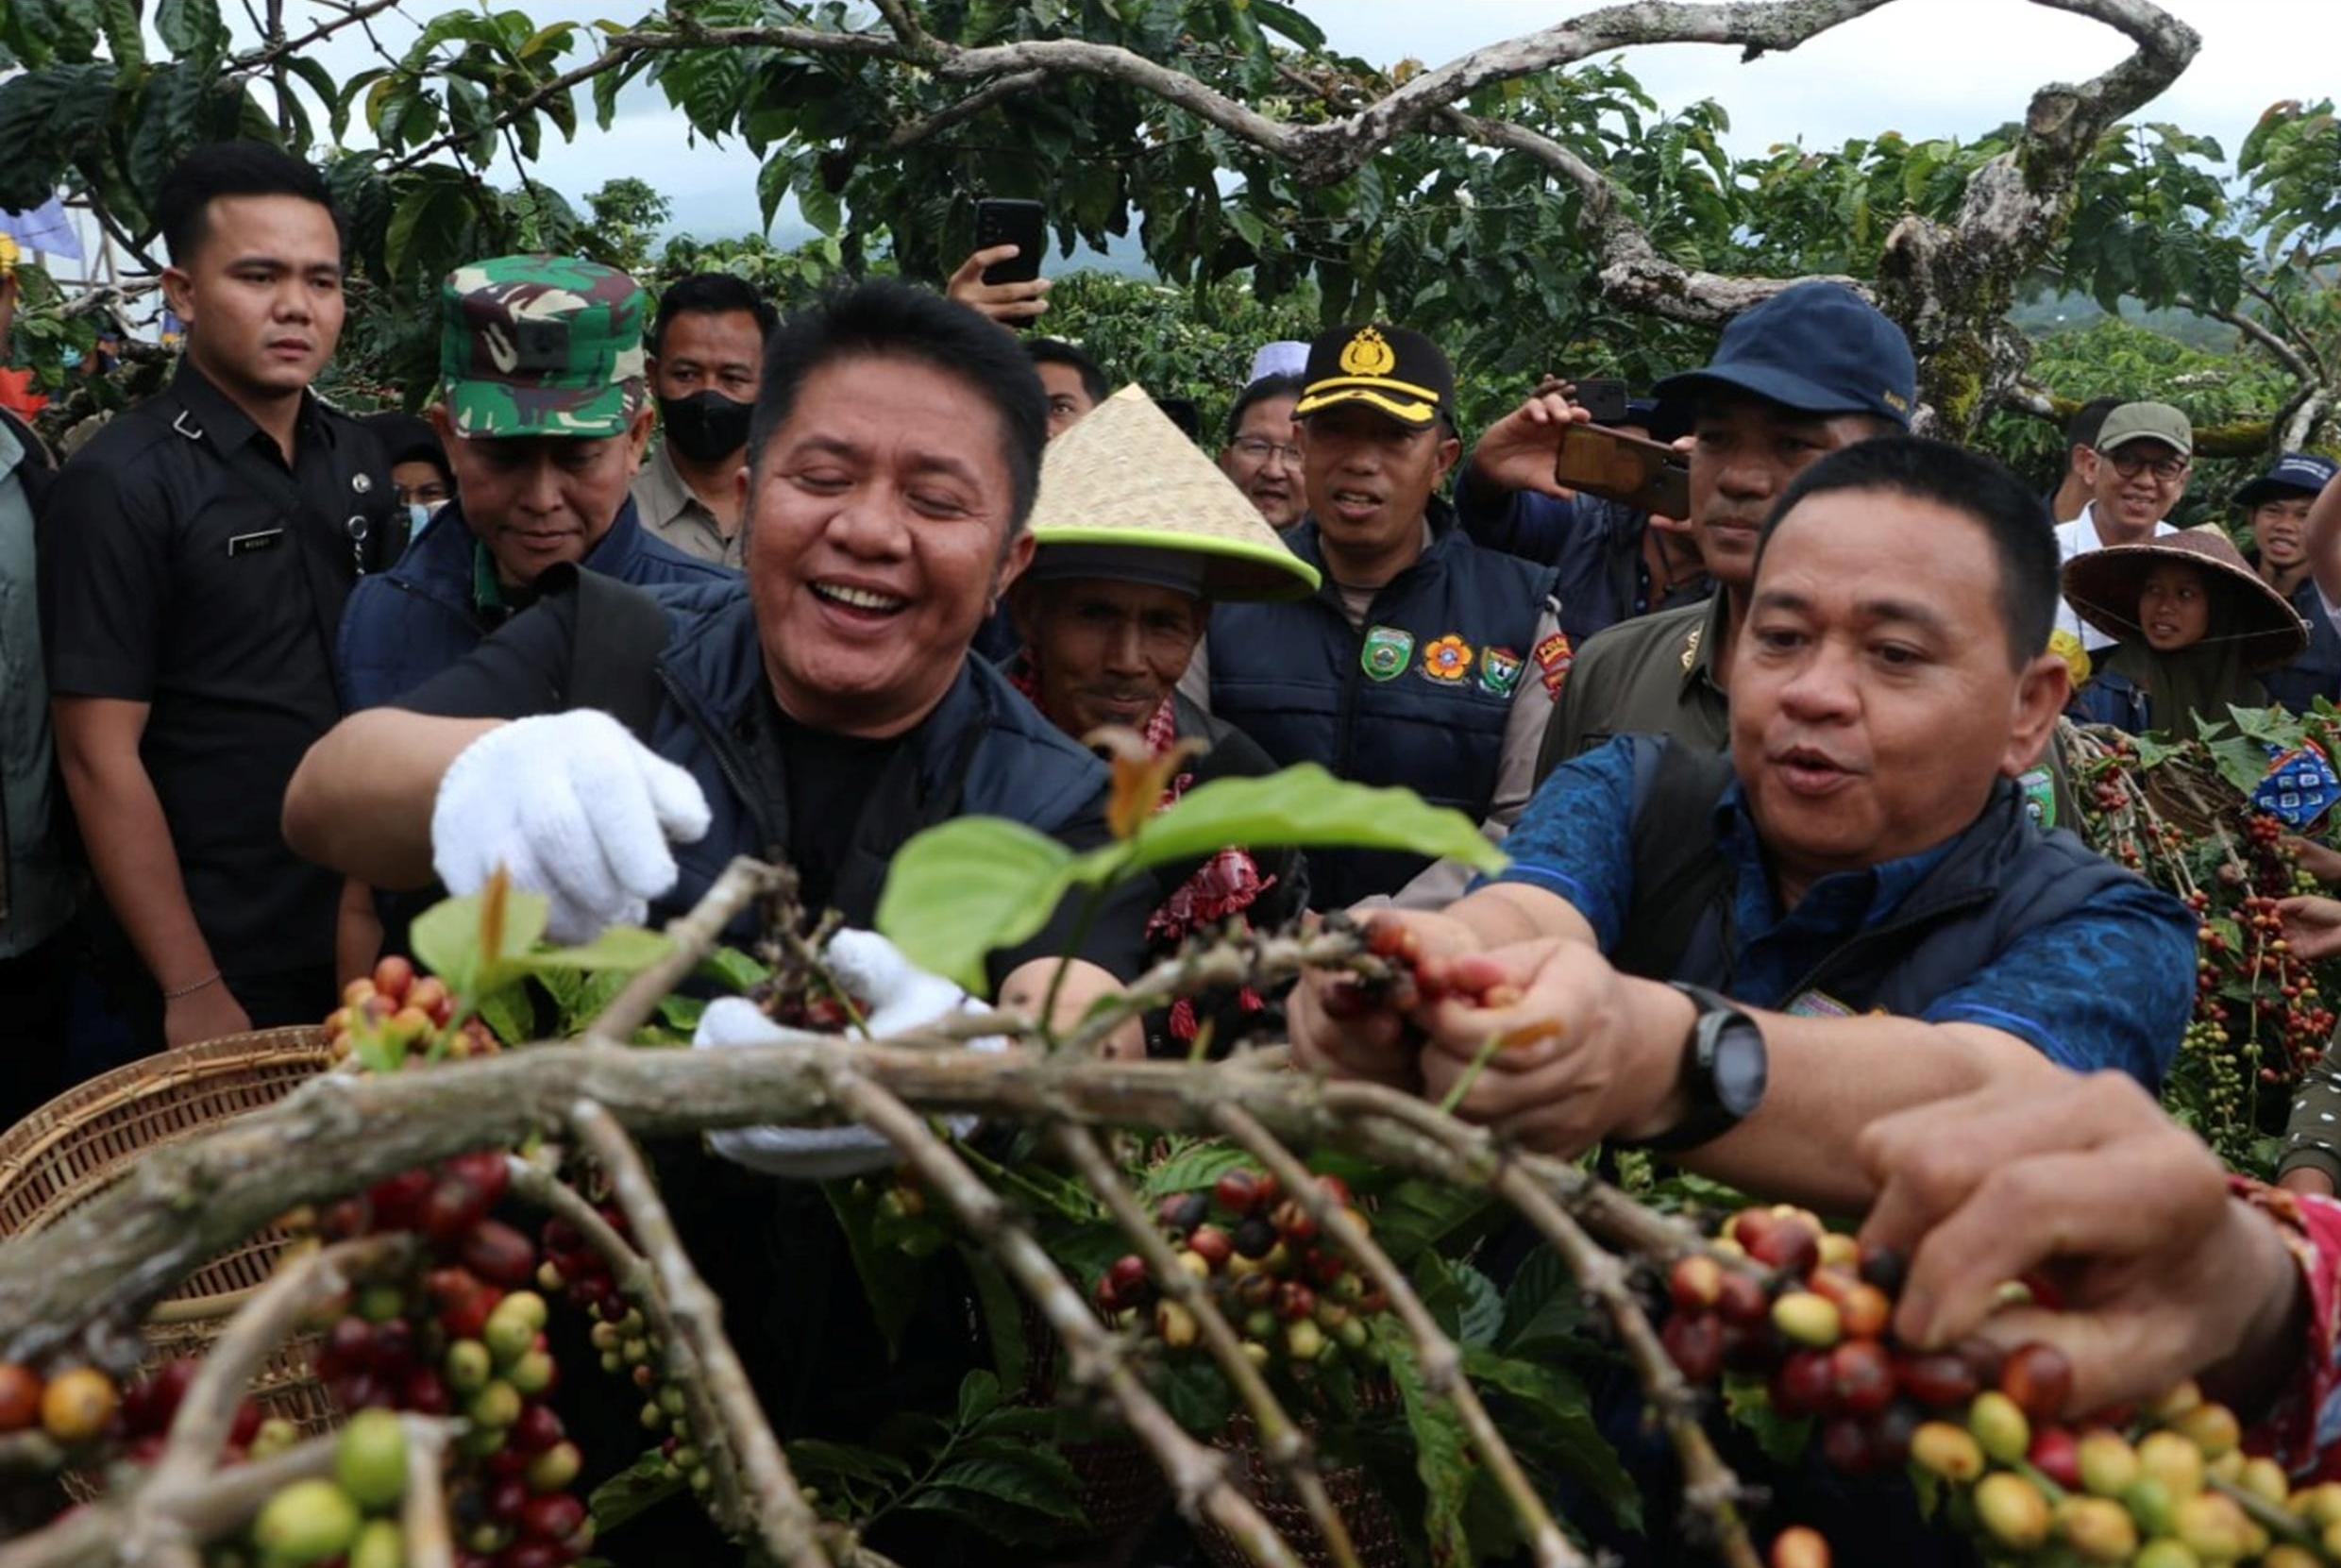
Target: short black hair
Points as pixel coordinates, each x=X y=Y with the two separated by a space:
x=409 y=438
x=2087 y=420
x=230 y=168
x=711 y=294
x=886 y=319
x=1285 y=385
x=1058 y=351
x=2023 y=536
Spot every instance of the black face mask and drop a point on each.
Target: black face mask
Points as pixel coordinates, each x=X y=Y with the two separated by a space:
x=706 y=426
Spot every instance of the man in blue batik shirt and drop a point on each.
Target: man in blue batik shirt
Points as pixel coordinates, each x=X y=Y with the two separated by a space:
x=1742 y=960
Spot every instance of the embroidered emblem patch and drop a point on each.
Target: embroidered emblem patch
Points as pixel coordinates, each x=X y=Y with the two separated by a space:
x=1691 y=648
x=1386 y=653
x=1499 y=670
x=1554 y=656
x=1449 y=659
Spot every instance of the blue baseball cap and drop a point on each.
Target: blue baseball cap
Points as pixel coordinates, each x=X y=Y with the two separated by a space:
x=1817 y=349
x=2294 y=474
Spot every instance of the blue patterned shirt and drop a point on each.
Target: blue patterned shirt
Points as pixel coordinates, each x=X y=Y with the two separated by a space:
x=2108 y=985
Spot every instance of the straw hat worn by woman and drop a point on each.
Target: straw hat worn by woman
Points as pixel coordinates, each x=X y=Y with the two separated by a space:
x=2191 y=621
x=1137 y=534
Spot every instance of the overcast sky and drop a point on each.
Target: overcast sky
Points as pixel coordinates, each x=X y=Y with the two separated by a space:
x=1923 y=67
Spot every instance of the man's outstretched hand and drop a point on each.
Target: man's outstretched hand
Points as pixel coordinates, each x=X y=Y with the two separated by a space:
x=2162 y=1275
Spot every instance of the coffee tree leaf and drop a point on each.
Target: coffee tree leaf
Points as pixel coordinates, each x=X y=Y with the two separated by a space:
x=1561 y=1427
x=1442 y=1456
x=449 y=938
x=638 y=1488
x=1309 y=808
x=623 y=948
x=962 y=889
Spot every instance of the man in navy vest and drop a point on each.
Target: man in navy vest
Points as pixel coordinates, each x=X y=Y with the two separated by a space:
x=1743 y=959
x=823 y=709
x=1754 y=955
x=614 y=747
x=1424 y=660
x=2276 y=505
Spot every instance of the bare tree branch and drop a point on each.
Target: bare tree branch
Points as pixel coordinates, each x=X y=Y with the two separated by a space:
x=1281 y=1438
x=1441 y=1363
x=1950 y=285
x=784 y=1521
x=99 y=1535
x=423 y=1512
x=1093 y=1360
x=998 y=89
x=105 y=1261
x=694 y=934
x=639 y=1284
x=279 y=47
x=2284 y=350
x=1762 y=26
x=1711 y=1493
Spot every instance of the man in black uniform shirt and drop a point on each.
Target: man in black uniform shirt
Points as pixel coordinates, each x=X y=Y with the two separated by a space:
x=193 y=561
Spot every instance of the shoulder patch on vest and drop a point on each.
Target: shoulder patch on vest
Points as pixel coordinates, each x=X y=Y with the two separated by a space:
x=1499 y=670
x=1387 y=653
x=1448 y=660
x=1554 y=656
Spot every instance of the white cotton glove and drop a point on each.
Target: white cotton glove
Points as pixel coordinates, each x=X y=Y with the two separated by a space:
x=897 y=997
x=572 y=806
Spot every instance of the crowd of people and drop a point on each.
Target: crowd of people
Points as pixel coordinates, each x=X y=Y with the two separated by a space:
x=643 y=590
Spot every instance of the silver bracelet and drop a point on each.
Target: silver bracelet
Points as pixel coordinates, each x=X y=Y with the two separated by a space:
x=211 y=979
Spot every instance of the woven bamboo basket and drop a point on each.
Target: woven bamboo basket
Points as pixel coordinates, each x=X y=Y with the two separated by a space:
x=1373 y=1527
x=79 y=1143
x=1121 y=1486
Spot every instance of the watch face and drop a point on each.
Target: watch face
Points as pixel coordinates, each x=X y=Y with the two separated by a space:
x=1741 y=1064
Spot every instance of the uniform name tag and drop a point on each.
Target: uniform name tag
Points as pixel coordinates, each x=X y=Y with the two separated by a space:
x=245 y=544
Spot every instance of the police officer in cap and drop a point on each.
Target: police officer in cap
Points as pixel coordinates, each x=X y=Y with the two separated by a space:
x=1424 y=660
x=195 y=558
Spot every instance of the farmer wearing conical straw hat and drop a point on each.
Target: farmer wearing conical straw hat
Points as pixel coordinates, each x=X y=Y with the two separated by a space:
x=1137 y=535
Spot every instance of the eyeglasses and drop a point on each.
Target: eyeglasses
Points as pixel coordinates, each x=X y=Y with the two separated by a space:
x=1260 y=449
x=2170 y=470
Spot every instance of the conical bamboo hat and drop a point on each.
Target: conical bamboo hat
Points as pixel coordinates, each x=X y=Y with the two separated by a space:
x=1126 y=477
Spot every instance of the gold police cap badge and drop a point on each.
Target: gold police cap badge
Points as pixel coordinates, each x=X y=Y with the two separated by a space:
x=1367 y=354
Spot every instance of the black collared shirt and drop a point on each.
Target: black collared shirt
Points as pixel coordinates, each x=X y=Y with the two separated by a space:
x=184 y=566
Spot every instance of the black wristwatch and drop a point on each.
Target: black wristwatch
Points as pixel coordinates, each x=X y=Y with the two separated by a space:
x=1724 y=1068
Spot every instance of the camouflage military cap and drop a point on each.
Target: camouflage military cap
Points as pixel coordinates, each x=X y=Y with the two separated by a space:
x=540 y=345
